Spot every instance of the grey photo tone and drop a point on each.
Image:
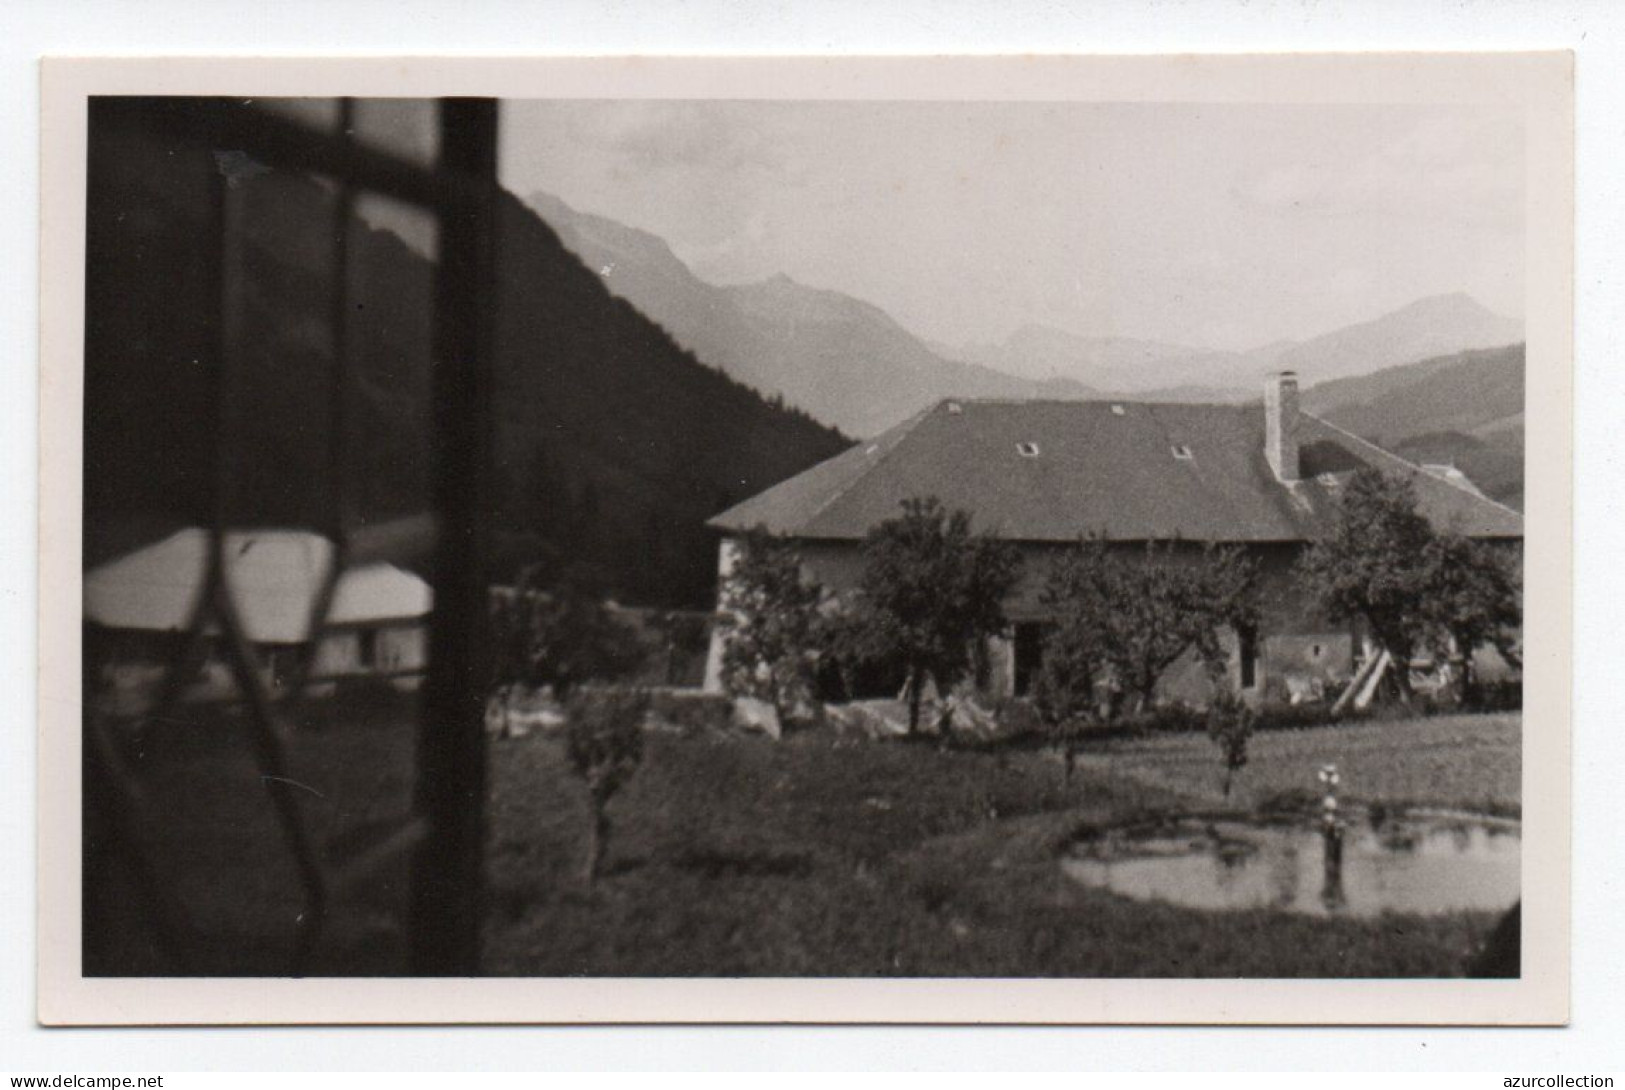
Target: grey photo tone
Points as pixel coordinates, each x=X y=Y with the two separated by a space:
x=839 y=539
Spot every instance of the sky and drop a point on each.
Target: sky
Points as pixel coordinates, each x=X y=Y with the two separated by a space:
x=1217 y=226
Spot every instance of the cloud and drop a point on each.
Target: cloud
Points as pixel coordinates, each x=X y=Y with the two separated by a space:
x=1462 y=168
x=663 y=136
x=745 y=254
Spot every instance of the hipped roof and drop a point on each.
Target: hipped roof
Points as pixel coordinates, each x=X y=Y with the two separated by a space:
x=1101 y=467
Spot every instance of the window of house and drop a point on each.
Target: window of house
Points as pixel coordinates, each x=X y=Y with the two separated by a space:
x=366 y=653
x=1118 y=410
x=1029 y=655
x=1249 y=658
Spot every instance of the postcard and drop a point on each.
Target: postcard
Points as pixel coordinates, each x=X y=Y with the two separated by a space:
x=806 y=539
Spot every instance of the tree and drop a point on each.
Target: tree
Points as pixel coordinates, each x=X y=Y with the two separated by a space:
x=1475 y=598
x=557 y=631
x=1372 y=563
x=1125 y=620
x=1170 y=603
x=776 y=628
x=1230 y=726
x=604 y=740
x=1415 y=588
x=1078 y=594
x=931 y=591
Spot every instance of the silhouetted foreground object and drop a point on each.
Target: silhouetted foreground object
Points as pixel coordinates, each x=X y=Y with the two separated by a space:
x=1502 y=956
x=613 y=444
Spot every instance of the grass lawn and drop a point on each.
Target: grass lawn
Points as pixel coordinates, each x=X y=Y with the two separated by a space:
x=1466 y=761
x=811 y=856
x=215 y=837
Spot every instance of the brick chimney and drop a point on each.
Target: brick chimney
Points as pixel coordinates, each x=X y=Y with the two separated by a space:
x=1281 y=424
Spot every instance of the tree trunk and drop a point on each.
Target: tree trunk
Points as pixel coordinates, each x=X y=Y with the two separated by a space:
x=1467 y=682
x=913 y=687
x=1401 y=667
x=1464 y=682
x=774 y=698
x=1147 y=698
x=597 y=841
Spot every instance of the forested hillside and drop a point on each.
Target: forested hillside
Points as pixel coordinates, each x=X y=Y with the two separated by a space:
x=1464 y=409
x=614 y=444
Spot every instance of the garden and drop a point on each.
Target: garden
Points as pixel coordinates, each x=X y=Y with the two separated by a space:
x=1085 y=832
x=826 y=856
x=1071 y=834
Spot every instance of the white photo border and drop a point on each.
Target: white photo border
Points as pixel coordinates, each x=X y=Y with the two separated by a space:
x=1540 y=84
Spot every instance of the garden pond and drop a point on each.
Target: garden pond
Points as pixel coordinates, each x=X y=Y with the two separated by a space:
x=1415 y=862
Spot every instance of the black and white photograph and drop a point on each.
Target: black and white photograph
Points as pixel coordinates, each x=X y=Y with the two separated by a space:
x=725 y=536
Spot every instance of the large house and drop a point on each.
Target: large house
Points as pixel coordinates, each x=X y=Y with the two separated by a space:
x=138 y=604
x=1044 y=473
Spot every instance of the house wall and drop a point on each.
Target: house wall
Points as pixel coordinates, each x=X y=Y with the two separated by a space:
x=1299 y=653
x=372 y=649
x=1298 y=649
x=131 y=664
x=727 y=557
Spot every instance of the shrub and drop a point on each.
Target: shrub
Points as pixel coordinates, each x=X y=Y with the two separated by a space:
x=558 y=632
x=691 y=713
x=1496 y=696
x=776 y=629
x=604 y=739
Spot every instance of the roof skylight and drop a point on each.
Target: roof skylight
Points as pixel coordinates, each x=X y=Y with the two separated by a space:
x=1027 y=450
x=1182 y=452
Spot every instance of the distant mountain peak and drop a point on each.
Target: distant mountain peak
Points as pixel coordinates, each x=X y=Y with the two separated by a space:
x=1457 y=302
x=851 y=364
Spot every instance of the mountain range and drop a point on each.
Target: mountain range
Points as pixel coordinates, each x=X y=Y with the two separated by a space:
x=1150 y=370
x=848 y=363
x=845 y=361
x=1464 y=409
